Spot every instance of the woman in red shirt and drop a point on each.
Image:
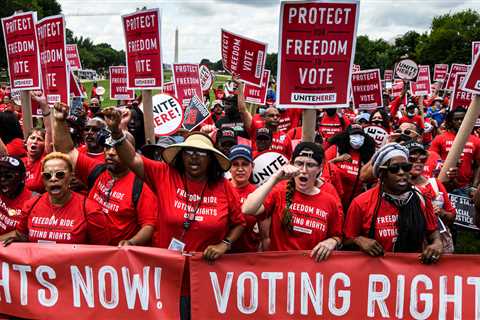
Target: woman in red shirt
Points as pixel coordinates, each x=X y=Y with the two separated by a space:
x=59 y=215
x=303 y=216
x=393 y=216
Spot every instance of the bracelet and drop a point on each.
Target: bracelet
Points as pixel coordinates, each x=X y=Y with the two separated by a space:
x=228 y=243
x=117 y=142
x=46 y=114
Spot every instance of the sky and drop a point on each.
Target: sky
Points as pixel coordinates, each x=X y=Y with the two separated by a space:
x=200 y=21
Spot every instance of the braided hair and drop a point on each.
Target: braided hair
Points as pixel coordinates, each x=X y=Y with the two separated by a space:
x=287 y=214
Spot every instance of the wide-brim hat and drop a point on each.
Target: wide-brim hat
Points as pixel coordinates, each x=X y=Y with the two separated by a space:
x=196 y=141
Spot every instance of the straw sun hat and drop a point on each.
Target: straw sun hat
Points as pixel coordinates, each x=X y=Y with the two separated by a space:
x=196 y=141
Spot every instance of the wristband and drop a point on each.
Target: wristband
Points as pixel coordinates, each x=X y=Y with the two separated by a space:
x=228 y=243
x=117 y=142
x=46 y=114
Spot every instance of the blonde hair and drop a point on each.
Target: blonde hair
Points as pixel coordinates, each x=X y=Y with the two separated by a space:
x=58 y=155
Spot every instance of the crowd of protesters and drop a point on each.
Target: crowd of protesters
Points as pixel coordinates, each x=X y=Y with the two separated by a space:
x=86 y=176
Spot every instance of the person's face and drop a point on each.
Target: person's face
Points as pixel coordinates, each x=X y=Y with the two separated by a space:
x=112 y=160
x=225 y=146
x=377 y=119
x=9 y=181
x=90 y=133
x=396 y=175
x=309 y=170
x=94 y=107
x=56 y=178
x=408 y=129
x=438 y=105
x=263 y=143
x=196 y=163
x=6 y=99
x=241 y=170
x=217 y=109
x=272 y=117
x=457 y=120
x=418 y=160
x=35 y=144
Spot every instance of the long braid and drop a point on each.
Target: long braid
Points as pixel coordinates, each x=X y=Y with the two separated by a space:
x=287 y=214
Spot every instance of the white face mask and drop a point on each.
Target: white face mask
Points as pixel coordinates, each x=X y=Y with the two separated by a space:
x=356 y=141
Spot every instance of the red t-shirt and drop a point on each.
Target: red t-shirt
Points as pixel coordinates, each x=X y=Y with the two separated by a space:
x=348 y=171
x=115 y=200
x=33 y=176
x=289 y=118
x=415 y=120
x=250 y=239
x=471 y=154
x=218 y=212
x=330 y=126
x=281 y=143
x=360 y=214
x=78 y=221
x=11 y=210
x=314 y=219
x=431 y=163
x=330 y=174
x=441 y=195
x=16 y=148
x=100 y=157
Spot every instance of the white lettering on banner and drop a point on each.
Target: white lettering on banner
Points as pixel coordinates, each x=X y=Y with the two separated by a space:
x=53 y=55
x=140 y=22
x=313 y=98
x=316 y=76
x=142 y=44
x=330 y=16
x=266 y=165
x=316 y=47
x=22 y=24
x=49 y=29
x=21 y=46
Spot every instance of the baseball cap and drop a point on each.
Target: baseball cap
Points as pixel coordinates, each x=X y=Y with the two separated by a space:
x=264 y=132
x=226 y=134
x=241 y=151
x=13 y=163
x=413 y=146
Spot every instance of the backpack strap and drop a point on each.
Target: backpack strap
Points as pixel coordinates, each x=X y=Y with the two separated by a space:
x=96 y=172
x=34 y=204
x=136 y=191
x=434 y=184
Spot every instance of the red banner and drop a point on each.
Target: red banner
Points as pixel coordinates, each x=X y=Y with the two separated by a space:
x=440 y=72
x=356 y=68
x=53 y=59
x=475 y=49
x=397 y=89
x=290 y=285
x=456 y=68
x=143 y=49
x=367 y=89
x=169 y=88
x=388 y=75
x=472 y=79
x=257 y=95
x=90 y=282
x=118 y=84
x=75 y=90
x=460 y=97
x=73 y=57
x=186 y=78
x=316 y=51
x=421 y=87
x=19 y=34
x=243 y=57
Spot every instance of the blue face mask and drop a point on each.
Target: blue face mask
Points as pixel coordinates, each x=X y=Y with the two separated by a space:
x=357 y=141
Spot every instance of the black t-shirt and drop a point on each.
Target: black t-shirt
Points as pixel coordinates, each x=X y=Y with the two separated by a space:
x=236 y=123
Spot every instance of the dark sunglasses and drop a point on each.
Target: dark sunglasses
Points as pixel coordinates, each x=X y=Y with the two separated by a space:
x=377 y=122
x=395 y=168
x=58 y=174
x=421 y=159
x=406 y=132
x=93 y=129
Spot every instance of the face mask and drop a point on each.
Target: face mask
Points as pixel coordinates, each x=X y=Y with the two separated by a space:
x=331 y=112
x=411 y=114
x=356 y=141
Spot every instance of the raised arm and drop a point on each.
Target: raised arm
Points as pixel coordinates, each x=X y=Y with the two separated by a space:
x=63 y=141
x=125 y=150
x=242 y=107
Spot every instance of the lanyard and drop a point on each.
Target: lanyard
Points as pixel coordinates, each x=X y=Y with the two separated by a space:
x=191 y=214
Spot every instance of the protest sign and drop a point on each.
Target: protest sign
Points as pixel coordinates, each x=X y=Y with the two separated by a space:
x=421 y=87
x=406 y=69
x=53 y=59
x=465 y=208
x=460 y=97
x=257 y=95
x=291 y=285
x=167 y=114
x=62 y=281
x=388 y=75
x=265 y=166
x=195 y=114
x=397 y=89
x=475 y=49
x=206 y=78
x=169 y=88
x=143 y=49
x=75 y=90
x=243 y=57
x=316 y=51
x=73 y=57
x=440 y=72
x=367 y=89
x=356 y=67
x=472 y=78
x=186 y=78
x=379 y=135
x=118 y=84
x=456 y=67
x=21 y=46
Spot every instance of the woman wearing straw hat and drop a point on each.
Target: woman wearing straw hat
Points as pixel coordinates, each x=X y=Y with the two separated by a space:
x=198 y=208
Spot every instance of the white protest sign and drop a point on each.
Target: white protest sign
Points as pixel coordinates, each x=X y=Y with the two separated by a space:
x=265 y=166
x=206 y=78
x=167 y=114
x=406 y=69
x=379 y=135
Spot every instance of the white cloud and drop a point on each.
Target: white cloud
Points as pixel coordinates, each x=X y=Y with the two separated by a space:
x=199 y=21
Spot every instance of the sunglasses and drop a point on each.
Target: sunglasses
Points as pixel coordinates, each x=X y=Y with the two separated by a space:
x=58 y=175
x=406 y=132
x=197 y=153
x=92 y=129
x=377 y=121
x=395 y=168
x=421 y=159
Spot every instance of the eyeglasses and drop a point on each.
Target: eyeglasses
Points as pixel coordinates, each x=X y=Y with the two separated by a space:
x=49 y=175
x=406 y=131
x=198 y=153
x=303 y=164
x=421 y=159
x=395 y=168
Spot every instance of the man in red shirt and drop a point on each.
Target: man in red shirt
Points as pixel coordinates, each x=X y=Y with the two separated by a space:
x=94 y=135
x=129 y=206
x=330 y=123
x=412 y=116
